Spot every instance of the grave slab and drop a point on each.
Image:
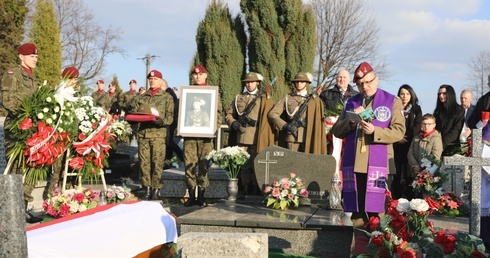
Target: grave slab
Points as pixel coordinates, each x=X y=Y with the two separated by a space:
x=329 y=232
x=274 y=163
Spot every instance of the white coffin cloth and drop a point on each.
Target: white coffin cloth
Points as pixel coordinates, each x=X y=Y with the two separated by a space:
x=124 y=230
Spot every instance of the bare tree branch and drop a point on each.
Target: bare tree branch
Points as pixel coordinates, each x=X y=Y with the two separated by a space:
x=479 y=67
x=347 y=35
x=85 y=44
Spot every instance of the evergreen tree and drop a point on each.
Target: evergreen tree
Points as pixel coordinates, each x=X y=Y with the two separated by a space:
x=221 y=49
x=11 y=31
x=282 y=40
x=45 y=34
x=115 y=81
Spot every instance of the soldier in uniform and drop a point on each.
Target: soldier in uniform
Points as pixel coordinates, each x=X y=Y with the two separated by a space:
x=101 y=98
x=128 y=96
x=196 y=149
x=151 y=135
x=254 y=133
x=368 y=150
x=116 y=100
x=71 y=75
x=310 y=132
x=128 y=100
x=18 y=83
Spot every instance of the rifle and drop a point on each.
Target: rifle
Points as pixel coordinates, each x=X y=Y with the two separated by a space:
x=297 y=121
x=243 y=119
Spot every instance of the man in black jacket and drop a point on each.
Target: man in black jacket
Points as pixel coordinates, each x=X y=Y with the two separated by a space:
x=335 y=97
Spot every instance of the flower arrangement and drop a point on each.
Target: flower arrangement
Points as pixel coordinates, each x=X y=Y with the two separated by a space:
x=71 y=201
x=451 y=205
x=405 y=231
x=115 y=194
x=230 y=159
x=41 y=130
x=285 y=192
x=93 y=141
x=431 y=178
x=121 y=130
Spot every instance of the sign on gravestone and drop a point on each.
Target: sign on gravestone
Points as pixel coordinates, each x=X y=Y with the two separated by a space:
x=274 y=163
x=3 y=162
x=475 y=163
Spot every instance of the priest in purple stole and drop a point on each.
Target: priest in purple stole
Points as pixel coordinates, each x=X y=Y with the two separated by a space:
x=371 y=122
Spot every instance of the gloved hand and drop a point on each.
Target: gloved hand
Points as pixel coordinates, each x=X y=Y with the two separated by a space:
x=290 y=128
x=158 y=122
x=235 y=125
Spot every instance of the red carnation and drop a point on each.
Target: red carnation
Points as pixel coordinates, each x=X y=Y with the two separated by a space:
x=433 y=205
x=81 y=136
x=373 y=223
x=26 y=124
x=477 y=254
x=76 y=163
x=377 y=240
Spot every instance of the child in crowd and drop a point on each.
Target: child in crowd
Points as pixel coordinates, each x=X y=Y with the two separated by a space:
x=427 y=143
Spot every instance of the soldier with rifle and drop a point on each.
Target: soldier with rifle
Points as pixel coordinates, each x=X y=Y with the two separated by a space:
x=247 y=119
x=299 y=116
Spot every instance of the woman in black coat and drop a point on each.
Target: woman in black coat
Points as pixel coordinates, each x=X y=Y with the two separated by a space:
x=413 y=119
x=449 y=119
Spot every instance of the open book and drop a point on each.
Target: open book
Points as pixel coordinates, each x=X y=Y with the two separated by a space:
x=366 y=115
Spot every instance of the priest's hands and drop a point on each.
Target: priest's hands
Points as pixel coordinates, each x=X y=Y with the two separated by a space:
x=367 y=127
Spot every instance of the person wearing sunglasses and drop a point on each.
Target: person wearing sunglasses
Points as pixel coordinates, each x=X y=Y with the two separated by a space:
x=449 y=119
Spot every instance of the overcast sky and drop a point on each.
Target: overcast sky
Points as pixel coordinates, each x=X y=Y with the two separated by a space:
x=427 y=42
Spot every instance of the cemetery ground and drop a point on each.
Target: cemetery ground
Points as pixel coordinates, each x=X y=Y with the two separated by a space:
x=250 y=207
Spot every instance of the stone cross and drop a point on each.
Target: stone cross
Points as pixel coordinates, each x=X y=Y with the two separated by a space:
x=475 y=162
x=267 y=161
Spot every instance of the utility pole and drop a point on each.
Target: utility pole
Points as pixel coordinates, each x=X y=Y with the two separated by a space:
x=147 y=60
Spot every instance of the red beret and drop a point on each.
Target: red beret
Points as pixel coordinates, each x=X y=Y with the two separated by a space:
x=155 y=73
x=70 y=72
x=27 y=49
x=361 y=71
x=100 y=81
x=133 y=80
x=199 y=69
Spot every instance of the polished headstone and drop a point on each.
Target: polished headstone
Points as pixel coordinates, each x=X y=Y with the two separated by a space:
x=12 y=217
x=274 y=163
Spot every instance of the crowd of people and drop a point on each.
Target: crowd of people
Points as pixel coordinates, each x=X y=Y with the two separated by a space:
x=384 y=136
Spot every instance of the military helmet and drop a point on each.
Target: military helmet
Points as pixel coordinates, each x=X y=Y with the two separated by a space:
x=303 y=77
x=253 y=77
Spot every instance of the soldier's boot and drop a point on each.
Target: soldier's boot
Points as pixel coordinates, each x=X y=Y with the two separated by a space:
x=31 y=218
x=192 y=198
x=200 y=197
x=147 y=195
x=155 y=194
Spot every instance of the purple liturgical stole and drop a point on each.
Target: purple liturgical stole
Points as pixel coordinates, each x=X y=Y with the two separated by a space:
x=377 y=172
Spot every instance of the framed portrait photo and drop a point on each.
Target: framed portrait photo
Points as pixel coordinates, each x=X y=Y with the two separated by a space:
x=197 y=111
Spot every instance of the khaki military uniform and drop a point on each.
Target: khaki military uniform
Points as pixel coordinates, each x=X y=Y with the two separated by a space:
x=248 y=136
x=151 y=138
x=311 y=137
x=16 y=85
x=102 y=99
x=127 y=99
x=195 y=152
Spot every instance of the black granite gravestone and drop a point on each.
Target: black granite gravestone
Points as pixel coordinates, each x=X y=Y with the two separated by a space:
x=316 y=171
